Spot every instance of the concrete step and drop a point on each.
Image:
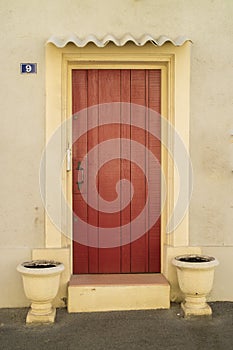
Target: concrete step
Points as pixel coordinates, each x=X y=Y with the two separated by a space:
x=90 y=293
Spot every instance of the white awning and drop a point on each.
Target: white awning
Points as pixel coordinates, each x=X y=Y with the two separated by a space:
x=63 y=41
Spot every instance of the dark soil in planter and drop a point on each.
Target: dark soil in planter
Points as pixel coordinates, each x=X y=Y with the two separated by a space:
x=195 y=259
x=40 y=264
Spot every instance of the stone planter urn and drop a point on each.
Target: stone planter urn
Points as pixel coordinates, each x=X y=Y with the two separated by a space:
x=41 y=280
x=195 y=277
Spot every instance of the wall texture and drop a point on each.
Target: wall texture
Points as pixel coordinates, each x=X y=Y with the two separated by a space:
x=25 y=27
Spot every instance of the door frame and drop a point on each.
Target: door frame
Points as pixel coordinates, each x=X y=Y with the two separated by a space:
x=175 y=65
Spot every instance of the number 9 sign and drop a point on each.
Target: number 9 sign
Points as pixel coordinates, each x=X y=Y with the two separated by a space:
x=27 y=68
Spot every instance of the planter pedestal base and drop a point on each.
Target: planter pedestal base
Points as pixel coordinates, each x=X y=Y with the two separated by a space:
x=34 y=318
x=41 y=312
x=196 y=307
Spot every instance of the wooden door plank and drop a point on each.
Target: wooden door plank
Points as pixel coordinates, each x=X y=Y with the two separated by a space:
x=92 y=164
x=154 y=103
x=79 y=102
x=109 y=91
x=125 y=167
x=139 y=247
x=147 y=161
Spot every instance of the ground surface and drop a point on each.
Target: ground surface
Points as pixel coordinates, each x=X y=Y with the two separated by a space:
x=154 y=329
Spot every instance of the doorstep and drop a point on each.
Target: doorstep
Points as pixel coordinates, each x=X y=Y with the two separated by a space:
x=90 y=293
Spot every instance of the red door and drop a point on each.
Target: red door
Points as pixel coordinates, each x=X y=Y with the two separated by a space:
x=99 y=199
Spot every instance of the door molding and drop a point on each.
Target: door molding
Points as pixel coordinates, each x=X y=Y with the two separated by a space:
x=174 y=63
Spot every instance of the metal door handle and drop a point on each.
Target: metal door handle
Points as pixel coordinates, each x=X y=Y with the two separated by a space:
x=80 y=170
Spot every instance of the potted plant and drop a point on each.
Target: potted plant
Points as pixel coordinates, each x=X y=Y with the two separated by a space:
x=41 y=280
x=195 y=277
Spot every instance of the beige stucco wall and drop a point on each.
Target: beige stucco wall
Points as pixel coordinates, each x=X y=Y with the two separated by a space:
x=25 y=27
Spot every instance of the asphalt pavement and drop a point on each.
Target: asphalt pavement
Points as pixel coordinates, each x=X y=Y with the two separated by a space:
x=152 y=329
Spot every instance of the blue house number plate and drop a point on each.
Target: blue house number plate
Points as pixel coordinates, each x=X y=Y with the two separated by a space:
x=28 y=68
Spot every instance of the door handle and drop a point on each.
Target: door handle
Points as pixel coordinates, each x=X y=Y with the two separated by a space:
x=80 y=171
